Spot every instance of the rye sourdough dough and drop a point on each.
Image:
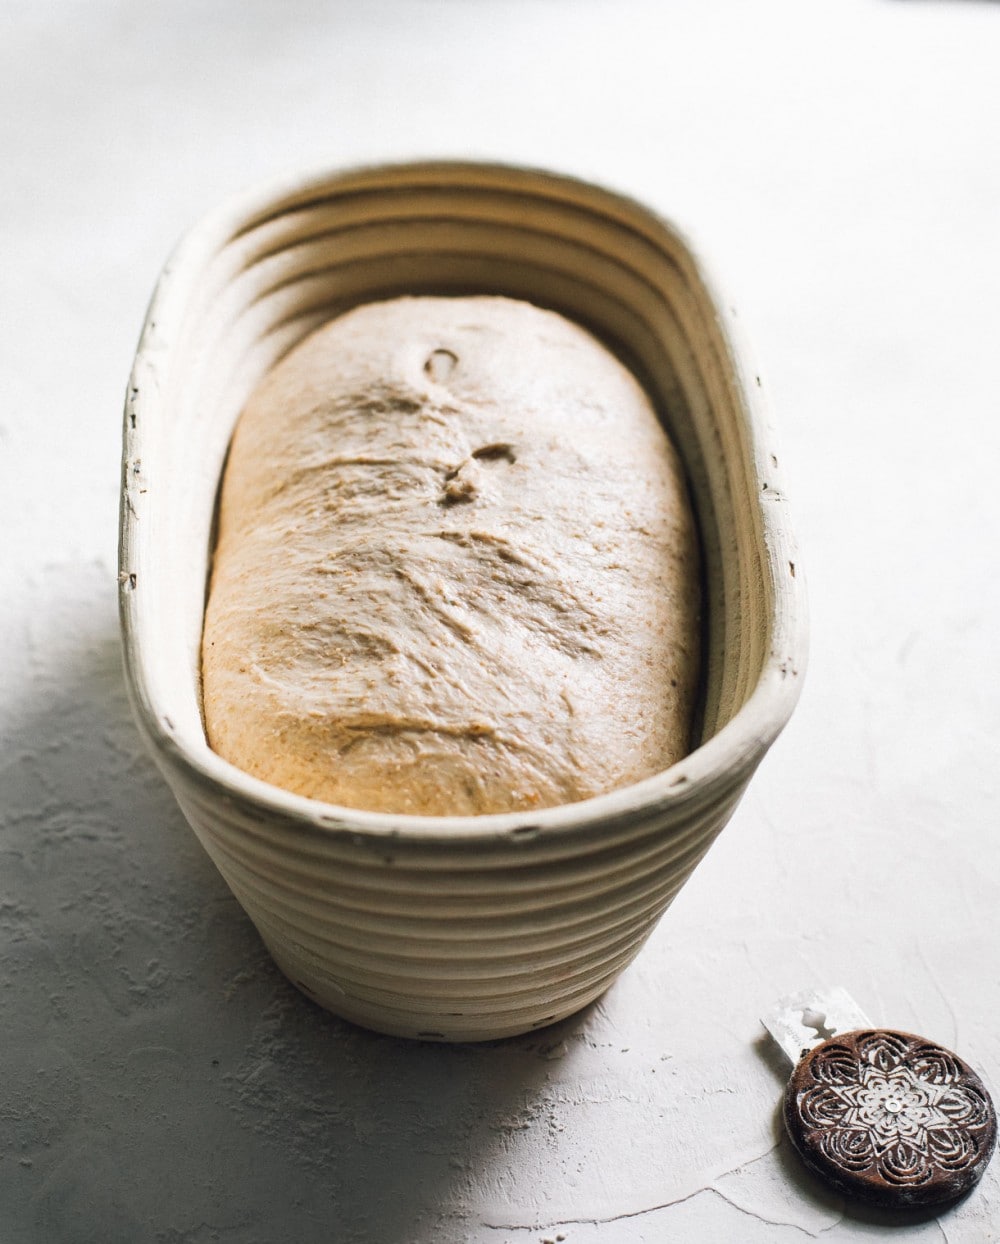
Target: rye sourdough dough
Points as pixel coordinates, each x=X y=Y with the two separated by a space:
x=456 y=569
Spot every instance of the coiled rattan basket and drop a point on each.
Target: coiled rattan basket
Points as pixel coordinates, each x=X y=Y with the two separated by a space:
x=451 y=928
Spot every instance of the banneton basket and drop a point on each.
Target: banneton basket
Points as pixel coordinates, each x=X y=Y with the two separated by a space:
x=451 y=928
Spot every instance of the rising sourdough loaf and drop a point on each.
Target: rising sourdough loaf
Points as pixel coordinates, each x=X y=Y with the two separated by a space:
x=456 y=569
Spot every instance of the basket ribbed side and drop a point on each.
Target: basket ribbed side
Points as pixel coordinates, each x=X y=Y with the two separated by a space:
x=443 y=946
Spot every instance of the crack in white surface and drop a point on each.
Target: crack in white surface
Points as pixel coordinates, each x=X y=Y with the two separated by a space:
x=770 y=1222
x=605 y=1220
x=651 y=1209
x=627 y=1215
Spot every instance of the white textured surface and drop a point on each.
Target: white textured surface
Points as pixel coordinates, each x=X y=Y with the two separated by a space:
x=838 y=160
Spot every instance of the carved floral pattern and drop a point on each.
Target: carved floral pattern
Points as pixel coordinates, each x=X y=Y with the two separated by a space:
x=894 y=1107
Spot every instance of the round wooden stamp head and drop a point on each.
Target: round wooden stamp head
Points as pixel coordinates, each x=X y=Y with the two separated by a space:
x=889 y=1118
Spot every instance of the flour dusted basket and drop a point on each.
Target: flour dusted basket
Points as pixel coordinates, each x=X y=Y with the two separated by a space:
x=451 y=928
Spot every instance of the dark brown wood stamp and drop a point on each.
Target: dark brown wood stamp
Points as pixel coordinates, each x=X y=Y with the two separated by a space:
x=890 y=1118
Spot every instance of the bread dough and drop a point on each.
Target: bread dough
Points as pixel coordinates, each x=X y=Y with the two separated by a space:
x=456 y=569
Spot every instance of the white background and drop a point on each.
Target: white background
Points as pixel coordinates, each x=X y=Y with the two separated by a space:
x=839 y=163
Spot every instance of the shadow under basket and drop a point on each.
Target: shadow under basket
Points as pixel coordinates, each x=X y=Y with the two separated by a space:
x=451 y=928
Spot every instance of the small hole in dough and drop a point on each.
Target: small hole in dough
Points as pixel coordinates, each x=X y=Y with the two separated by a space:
x=499 y=451
x=440 y=364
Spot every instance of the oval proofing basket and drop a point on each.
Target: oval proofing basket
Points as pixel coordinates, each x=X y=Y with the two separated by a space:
x=451 y=928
